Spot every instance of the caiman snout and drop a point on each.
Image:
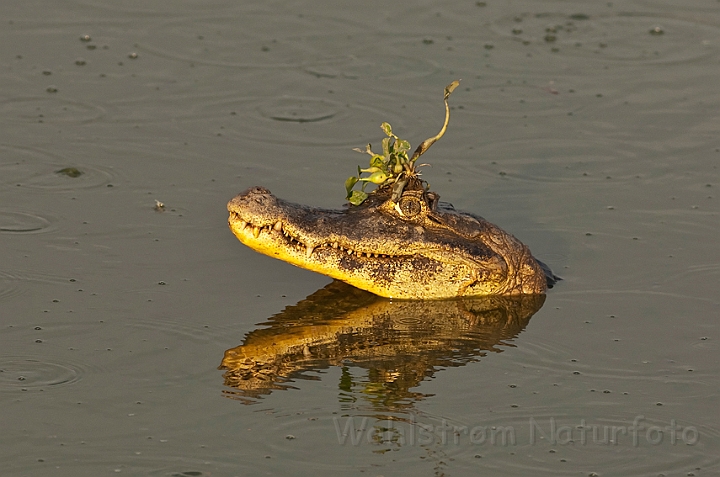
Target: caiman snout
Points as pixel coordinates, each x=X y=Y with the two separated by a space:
x=254 y=197
x=256 y=190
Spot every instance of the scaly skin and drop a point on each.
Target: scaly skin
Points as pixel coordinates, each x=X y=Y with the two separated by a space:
x=416 y=248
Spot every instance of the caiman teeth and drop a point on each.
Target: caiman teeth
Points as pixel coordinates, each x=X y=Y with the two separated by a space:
x=309 y=249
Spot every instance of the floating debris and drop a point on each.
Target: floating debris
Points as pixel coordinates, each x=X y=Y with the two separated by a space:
x=70 y=172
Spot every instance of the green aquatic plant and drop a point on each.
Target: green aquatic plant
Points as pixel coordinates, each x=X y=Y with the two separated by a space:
x=393 y=168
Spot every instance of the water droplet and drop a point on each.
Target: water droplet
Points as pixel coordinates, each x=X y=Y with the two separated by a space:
x=657 y=31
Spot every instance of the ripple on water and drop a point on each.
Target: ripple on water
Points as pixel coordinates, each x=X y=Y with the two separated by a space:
x=541 y=441
x=192 y=331
x=14 y=222
x=32 y=374
x=130 y=461
x=620 y=37
x=353 y=67
x=242 y=40
x=9 y=285
x=38 y=169
x=569 y=160
x=53 y=110
x=14 y=283
x=282 y=120
x=299 y=110
x=552 y=442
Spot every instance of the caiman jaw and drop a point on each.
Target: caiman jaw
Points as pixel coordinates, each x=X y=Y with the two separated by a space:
x=276 y=240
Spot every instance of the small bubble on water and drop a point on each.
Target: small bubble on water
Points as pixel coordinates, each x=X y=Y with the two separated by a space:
x=133 y=55
x=85 y=38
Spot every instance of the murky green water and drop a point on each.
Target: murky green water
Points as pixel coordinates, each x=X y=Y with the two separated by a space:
x=587 y=129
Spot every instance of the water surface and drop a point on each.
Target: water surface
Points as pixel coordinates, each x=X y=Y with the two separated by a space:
x=587 y=129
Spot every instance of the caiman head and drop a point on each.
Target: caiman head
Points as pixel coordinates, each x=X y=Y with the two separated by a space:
x=412 y=248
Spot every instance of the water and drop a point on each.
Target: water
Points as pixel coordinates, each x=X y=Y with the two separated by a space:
x=590 y=131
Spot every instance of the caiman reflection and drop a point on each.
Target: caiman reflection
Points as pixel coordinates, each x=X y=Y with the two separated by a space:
x=399 y=343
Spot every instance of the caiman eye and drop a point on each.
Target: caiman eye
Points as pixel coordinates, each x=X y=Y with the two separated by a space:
x=409 y=206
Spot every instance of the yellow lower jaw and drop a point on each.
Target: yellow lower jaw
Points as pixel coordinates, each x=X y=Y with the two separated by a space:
x=447 y=283
x=272 y=244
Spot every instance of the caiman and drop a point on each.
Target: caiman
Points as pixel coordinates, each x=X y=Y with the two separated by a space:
x=415 y=247
x=399 y=241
